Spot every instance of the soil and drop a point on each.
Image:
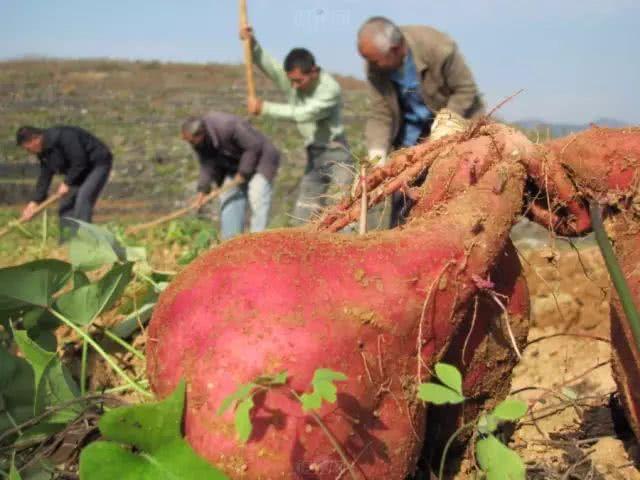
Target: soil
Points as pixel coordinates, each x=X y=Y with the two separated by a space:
x=576 y=428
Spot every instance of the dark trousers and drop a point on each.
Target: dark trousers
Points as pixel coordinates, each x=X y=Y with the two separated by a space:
x=79 y=202
x=327 y=168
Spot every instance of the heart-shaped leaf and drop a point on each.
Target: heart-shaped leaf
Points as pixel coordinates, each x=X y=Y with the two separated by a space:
x=84 y=304
x=323 y=388
x=498 y=461
x=160 y=453
x=510 y=410
x=52 y=381
x=32 y=284
x=450 y=376
x=16 y=390
x=93 y=247
x=438 y=394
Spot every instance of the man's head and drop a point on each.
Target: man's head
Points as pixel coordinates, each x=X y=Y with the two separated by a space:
x=381 y=44
x=301 y=69
x=193 y=131
x=30 y=138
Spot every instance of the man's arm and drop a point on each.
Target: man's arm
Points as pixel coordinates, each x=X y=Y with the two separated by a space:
x=460 y=80
x=316 y=107
x=270 y=67
x=379 y=127
x=76 y=156
x=208 y=174
x=43 y=184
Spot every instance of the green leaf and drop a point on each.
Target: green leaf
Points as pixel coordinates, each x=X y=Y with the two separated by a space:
x=154 y=429
x=52 y=382
x=450 y=376
x=311 y=401
x=41 y=470
x=84 y=304
x=32 y=284
x=438 y=394
x=487 y=423
x=80 y=279
x=323 y=388
x=243 y=397
x=241 y=393
x=243 y=419
x=136 y=254
x=17 y=390
x=40 y=318
x=14 y=474
x=93 y=247
x=510 y=410
x=46 y=339
x=498 y=461
x=131 y=322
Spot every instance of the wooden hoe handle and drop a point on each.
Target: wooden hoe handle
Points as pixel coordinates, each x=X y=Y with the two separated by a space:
x=182 y=211
x=43 y=206
x=248 y=56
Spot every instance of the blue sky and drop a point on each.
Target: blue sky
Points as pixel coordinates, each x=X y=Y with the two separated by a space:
x=576 y=59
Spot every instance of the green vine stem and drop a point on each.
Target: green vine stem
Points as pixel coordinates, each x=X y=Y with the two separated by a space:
x=333 y=440
x=443 y=459
x=615 y=272
x=129 y=348
x=83 y=368
x=87 y=338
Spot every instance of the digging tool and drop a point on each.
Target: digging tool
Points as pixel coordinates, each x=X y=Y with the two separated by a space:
x=43 y=206
x=182 y=211
x=248 y=56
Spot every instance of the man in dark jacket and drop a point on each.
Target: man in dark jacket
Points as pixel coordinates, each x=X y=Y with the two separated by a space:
x=84 y=160
x=229 y=149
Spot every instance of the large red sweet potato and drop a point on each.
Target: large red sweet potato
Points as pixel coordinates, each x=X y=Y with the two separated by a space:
x=297 y=301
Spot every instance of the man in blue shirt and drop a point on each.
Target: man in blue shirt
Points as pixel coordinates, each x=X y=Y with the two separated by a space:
x=413 y=73
x=416 y=115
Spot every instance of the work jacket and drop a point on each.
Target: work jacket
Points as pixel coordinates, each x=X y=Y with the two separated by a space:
x=231 y=145
x=446 y=82
x=70 y=151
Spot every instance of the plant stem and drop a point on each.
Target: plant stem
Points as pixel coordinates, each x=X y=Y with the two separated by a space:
x=105 y=355
x=43 y=244
x=150 y=280
x=123 y=344
x=615 y=272
x=448 y=444
x=332 y=439
x=122 y=388
x=83 y=368
x=26 y=232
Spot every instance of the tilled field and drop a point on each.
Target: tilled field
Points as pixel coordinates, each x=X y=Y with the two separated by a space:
x=576 y=429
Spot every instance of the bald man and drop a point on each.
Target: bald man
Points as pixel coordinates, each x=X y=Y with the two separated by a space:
x=413 y=72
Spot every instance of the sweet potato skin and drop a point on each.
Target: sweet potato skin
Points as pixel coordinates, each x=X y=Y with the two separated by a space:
x=290 y=308
x=297 y=301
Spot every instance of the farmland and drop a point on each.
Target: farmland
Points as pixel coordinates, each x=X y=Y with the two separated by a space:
x=576 y=429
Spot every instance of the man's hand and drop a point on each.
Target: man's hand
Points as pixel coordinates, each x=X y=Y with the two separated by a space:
x=29 y=210
x=246 y=33
x=198 y=201
x=63 y=189
x=239 y=178
x=254 y=105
